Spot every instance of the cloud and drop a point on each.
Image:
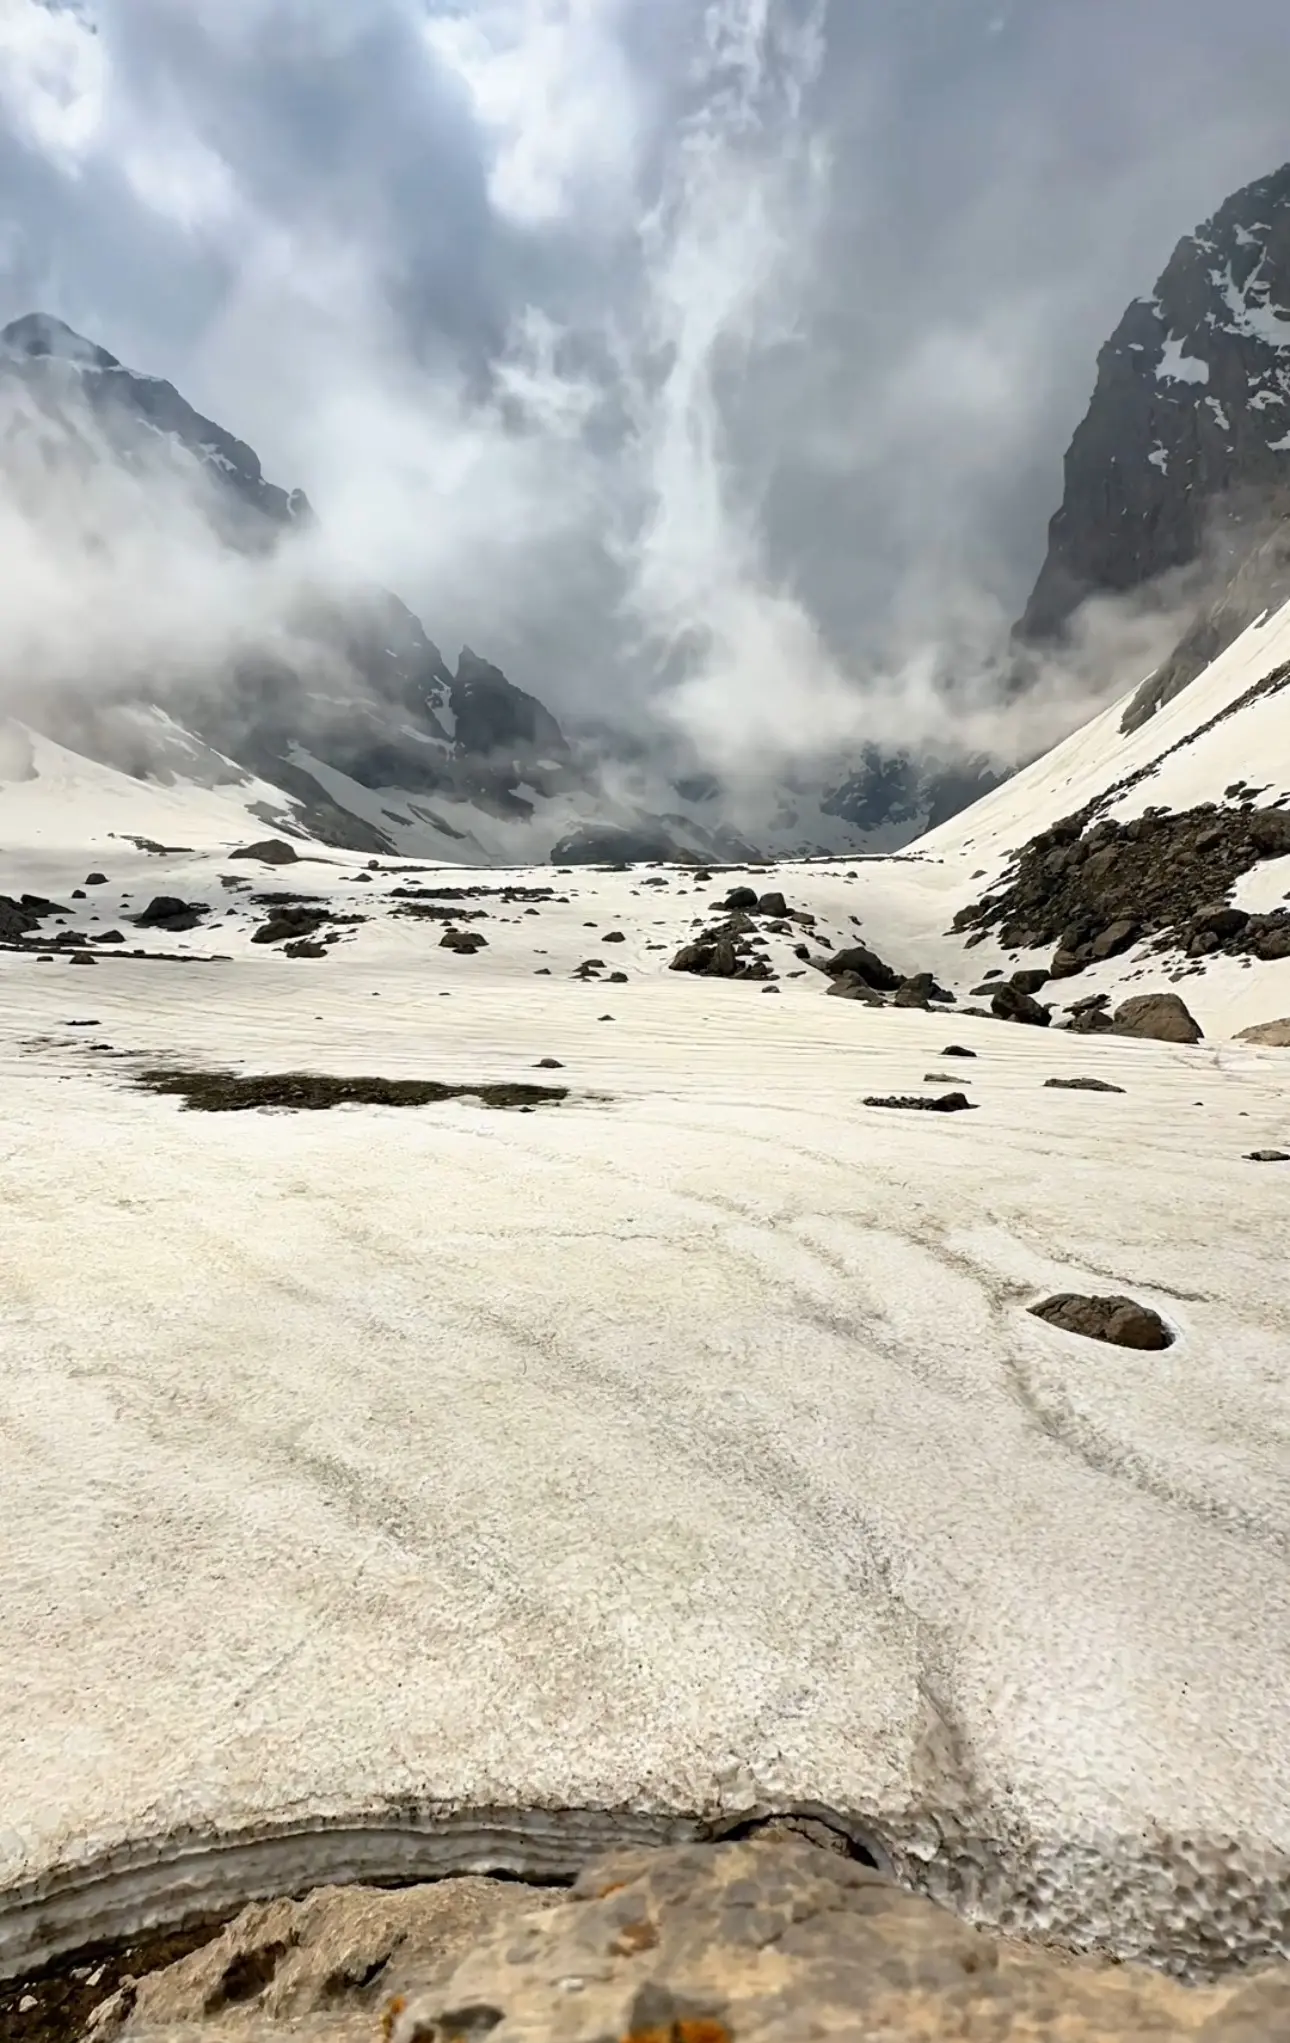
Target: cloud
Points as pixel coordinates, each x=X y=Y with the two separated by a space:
x=53 y=77
x=549 y=84
x=709 y=367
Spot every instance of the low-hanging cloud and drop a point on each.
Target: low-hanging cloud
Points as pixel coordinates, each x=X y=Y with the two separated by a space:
x=702 y=365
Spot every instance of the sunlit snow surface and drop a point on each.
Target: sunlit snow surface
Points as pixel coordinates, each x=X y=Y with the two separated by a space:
x=683 y=1449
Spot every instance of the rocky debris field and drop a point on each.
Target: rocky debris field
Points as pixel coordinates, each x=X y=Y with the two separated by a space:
x=779 y=1937
x=225 y=1092
x=762 y=934
x=1095 y=888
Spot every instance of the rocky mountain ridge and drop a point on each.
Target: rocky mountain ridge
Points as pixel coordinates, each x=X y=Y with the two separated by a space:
x=1177 y=481
x=377 y=744
x=348 y=706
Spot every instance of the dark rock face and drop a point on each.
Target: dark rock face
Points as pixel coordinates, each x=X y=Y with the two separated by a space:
x=900 y=793
x=60 y=367
x=1191 y=413
x=1094 y=888
x=494 y=717
x=1121 y=1321
x=615 y=844
x=362 y=688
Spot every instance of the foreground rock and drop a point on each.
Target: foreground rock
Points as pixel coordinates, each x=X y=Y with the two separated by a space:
x=1121 y=1321
x=770 y=1940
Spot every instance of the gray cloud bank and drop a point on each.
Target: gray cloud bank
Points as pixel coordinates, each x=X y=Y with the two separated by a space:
x=709 y=366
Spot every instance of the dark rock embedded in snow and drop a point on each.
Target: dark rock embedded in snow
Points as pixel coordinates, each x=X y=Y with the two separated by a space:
x=862 y=963
x=167 y=911
x=725 y=952
x=1082 y=1085
x=1121 y=1321
x=1268 y=1156
x=944 y=1103
x=849 y=987
x=270 y=851
x=464 y=941
x=290 y=923
x=1009 y=1003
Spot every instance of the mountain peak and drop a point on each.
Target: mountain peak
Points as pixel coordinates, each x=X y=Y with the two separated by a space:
x=1187 y=438
x=40 y=334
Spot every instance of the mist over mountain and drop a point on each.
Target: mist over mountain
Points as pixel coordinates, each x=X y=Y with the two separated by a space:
x=574 y=335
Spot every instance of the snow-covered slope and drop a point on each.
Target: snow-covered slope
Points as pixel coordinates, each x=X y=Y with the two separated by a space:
x=430 y=1487
x=1186 y=818
x=1230 y=726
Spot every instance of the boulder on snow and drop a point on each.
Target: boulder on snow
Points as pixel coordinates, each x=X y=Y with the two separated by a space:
x=167 y=911
x=270 y=851
x=920 y=1103
x=848 y=987
x=1162 y=1016
x=921 y=990
x=1010 y=1003
x=1121 y=1321
x=859 y=961
x=1270 y=1035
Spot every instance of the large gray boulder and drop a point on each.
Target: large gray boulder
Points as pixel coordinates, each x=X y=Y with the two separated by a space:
x=1160 y=1015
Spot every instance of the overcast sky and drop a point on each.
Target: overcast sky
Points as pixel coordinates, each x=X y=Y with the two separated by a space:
x=730 y=349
